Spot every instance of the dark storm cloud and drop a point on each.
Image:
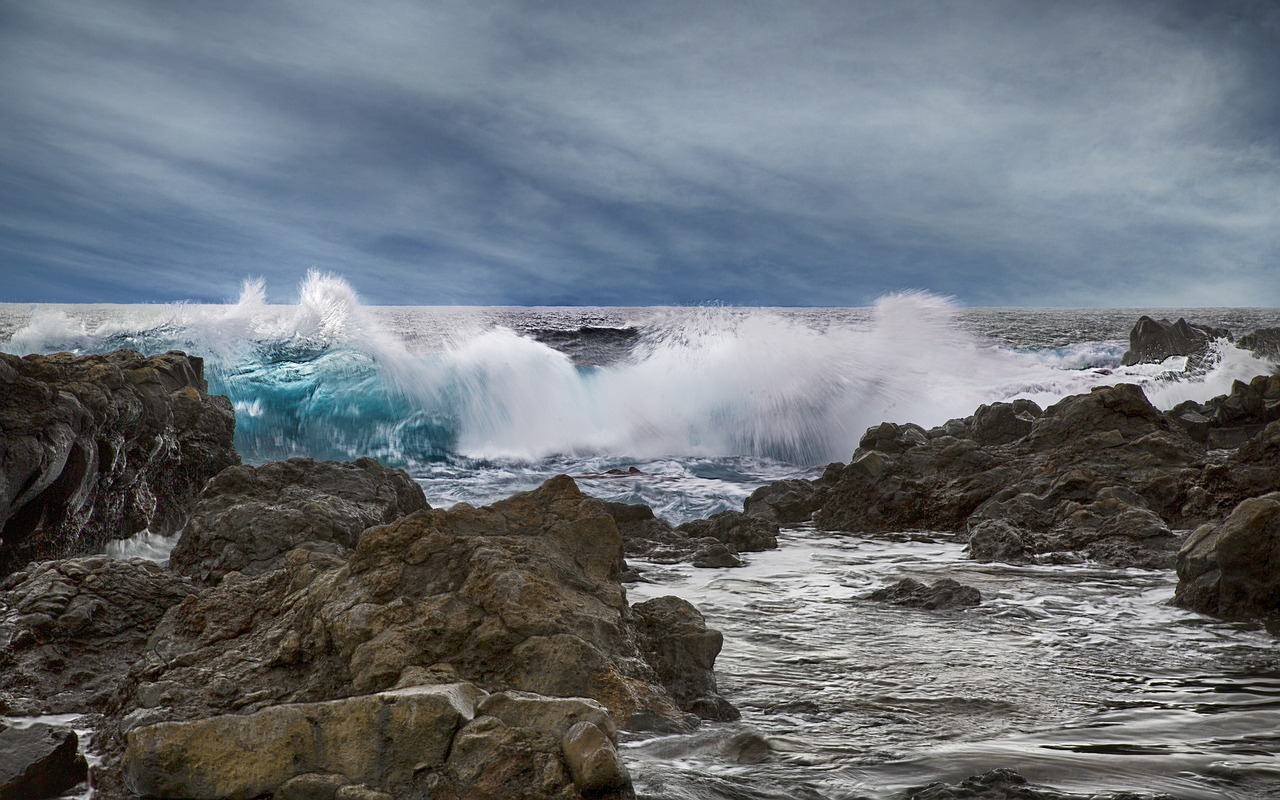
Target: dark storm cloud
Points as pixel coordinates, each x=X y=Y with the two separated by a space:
x=806 y=153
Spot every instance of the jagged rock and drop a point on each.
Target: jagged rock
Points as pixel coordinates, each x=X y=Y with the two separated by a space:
x=1152 y=341
x=74 y=627
x=1264 y=343
x=712 y=542
x=1233 y=569
x=39 y=761
x=683 y=650
x=519 y=745
x=998 y=540
x=443 y=741
x=888 y=437
x=784 y=502
x=1108 y=416
x=100 y=447
x=946 y=594
x=522 y=595
x=1002 y=423
x=1102 y=475
x=247 y=517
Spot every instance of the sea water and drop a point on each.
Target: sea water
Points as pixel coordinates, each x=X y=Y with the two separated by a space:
x=1081 y=677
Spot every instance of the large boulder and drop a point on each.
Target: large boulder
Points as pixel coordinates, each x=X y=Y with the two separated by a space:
x=39 y=761
x=443 y=741
x=743 y=532
x=521 y=595
x=100 y=447
x=785 y=502
x=1264 y=343
x=1233 y=569
x=677 y=642
x=73 y=628
x=1152 y=341
x=247 y=518
x=946 y=594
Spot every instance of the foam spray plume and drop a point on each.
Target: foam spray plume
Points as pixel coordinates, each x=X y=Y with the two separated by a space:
x=330 y=378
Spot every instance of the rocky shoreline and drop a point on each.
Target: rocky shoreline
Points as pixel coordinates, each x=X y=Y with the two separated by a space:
x=322 y=632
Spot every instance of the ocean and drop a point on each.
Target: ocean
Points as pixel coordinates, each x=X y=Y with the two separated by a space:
x=1081 y=677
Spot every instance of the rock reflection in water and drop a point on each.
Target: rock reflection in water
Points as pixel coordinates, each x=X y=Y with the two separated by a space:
x=1080 y=677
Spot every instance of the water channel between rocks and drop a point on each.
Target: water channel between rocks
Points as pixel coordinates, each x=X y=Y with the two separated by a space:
x=1080 y=677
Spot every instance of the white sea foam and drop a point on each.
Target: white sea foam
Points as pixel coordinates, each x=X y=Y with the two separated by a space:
x=327 y=376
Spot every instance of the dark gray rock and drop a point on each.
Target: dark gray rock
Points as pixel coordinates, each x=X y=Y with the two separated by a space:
x=784 y=502
x=744 y=532
x=1264 y=343
x=682 y=649
x=100 y=447
x=1152 y=341
x=716 y=555
x=39 y=761
x=1002 y=423
x=946 y=594
x=1233 y=569
x=73 y=628
x=247 y=518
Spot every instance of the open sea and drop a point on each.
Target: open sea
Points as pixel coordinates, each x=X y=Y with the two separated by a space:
x=1080 y=677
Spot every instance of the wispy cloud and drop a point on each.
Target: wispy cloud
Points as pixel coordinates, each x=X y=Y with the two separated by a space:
x=579 y=152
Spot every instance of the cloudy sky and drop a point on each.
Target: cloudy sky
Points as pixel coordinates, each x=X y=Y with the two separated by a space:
x=767 y=153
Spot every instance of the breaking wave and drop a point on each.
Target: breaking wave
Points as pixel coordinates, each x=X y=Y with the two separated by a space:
x=331 y=378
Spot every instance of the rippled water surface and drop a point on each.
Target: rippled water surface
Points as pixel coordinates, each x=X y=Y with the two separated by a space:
x=1080 y=677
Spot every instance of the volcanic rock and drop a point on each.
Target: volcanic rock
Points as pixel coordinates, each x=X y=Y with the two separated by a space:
x=247 y=518
x=72 y=629
x=676 y=640
x=712 y=542
x=1102 y=475
x=946 y=594
x=521 y=595
x=783 y=502
x=1006 y=784
x=1233 y=569
x=100 y=447
x=1152 y=341
x=445 y=741
x=745 y=533
x=39 y=761
x=1264 y=343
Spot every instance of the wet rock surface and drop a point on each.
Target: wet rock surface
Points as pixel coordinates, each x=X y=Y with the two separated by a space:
x=70 y=630
x=247 y=518
x=1232 y=569
x=714 y=542
x=946 y=594
x=100 y=447
x=521 y=599
x=1152 y=341
x=1090 y=475
x=39 y=761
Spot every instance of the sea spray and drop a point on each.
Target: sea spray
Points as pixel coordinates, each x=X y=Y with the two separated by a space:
x=330 y=378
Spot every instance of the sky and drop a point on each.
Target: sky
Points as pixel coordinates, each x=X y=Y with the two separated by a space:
x=604 y=153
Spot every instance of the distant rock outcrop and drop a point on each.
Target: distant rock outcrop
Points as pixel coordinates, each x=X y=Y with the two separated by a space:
x=100 y=447
x=1152 y=341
